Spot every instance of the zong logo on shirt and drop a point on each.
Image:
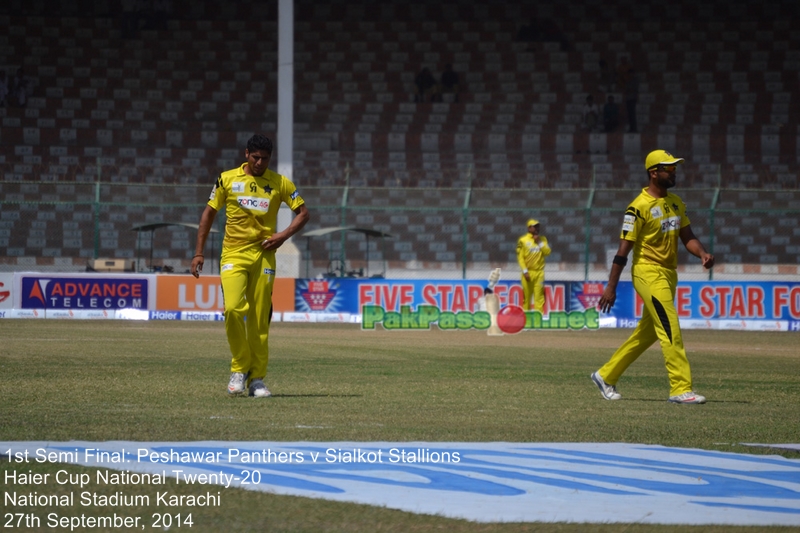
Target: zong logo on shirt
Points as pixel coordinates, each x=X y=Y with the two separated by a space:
x=671 y=223
x=253 y=203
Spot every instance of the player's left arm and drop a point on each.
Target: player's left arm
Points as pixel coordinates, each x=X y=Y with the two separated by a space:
x=278 y=238
x=544 y=246
x=695 y=247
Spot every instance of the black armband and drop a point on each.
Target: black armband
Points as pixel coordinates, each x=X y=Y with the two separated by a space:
x=620 y=260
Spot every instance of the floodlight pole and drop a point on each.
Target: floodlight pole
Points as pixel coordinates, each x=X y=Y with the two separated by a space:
x=588 y=226
x=152 y=238
x=464 y=223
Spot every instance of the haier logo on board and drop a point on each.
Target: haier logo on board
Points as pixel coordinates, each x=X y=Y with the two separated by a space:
x=84 y=293
x=165 y=315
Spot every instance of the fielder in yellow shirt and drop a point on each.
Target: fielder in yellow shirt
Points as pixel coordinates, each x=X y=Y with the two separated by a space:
x=653 y=224
x=532 y=248
x=251 y=196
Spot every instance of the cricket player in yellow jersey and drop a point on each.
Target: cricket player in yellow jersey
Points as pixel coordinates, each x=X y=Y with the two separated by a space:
x=251 y=196
x=653 y=224
x=532 y=248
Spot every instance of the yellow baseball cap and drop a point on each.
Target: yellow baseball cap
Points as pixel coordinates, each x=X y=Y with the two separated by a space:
x=533 y=222
x=660 y=157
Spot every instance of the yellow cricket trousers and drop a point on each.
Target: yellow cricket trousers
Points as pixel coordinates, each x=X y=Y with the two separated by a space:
x=247 y=276
x=533 y=288
x=656 y=286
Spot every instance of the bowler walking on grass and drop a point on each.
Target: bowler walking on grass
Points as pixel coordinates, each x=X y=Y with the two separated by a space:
x=653 y=223
x=251 y=196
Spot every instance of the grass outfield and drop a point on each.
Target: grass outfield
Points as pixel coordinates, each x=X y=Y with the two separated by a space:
x=165 y=381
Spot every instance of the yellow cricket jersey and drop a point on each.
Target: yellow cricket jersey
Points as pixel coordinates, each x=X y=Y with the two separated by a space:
x=251 y=204
x=654 y=225
x=530 y=255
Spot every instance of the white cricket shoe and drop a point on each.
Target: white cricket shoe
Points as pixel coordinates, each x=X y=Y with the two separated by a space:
x=688 y=397
x=236 y=384
x=258 y=389
x=609 y=392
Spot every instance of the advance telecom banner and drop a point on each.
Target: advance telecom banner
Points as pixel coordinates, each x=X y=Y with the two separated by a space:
x=85 y=292
x=701 y=304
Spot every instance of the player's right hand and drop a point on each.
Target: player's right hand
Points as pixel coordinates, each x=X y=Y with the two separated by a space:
x=607 y=300
x=197 y=265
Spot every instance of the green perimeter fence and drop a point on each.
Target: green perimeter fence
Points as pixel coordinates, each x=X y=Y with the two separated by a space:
x=429 y=232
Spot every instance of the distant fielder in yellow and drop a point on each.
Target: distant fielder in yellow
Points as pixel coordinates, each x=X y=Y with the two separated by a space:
x=653 y=223
x=251 y=196
x=532 y=248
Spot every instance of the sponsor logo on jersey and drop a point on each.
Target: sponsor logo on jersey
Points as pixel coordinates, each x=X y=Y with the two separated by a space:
x=627 y=223
x=295 y=194
x=269 y=271
x=670 y=224
x=229 y=266
x=253 y=203
x=237 y=186
x=656 y=212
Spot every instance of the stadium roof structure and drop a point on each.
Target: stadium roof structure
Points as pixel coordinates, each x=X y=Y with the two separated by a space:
x=153 y=226
x=367 y=232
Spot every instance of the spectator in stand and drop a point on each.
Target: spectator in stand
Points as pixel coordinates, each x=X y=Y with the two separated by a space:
x=610 y=115
x=3 y=88
x=542 y=30
x=146 y=14
x=129 y=18
x=591 y=114
x=623 y=73
x=606 y=77
x=449 y=82
x=162 y=12
x=426 y=86
x=19 y=88
x=631 y=99
x=552 y=33
x=531 y=32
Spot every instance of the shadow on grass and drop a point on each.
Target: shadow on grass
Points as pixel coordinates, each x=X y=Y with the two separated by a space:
x=317 y=396
x=673 y=403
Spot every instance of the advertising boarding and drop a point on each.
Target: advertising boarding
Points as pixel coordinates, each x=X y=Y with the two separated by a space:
x=766 y=306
